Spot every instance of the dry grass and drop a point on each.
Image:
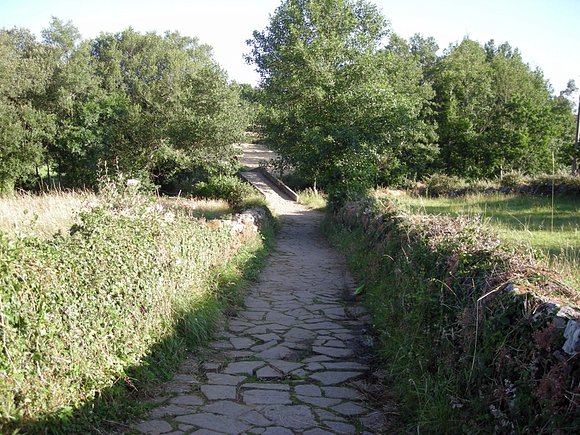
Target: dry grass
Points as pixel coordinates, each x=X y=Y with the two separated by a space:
x=42 y=215
x=197 y=208
x=49 y=213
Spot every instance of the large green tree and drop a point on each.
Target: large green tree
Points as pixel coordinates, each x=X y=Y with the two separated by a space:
x=24 y=129
x=495 y=113
x=340 y=105
x=174 y=100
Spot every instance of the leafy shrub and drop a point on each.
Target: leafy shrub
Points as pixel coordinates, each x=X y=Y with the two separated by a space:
x=512 y=180
x=563 y=184
x=441 y=184
x=80 y=311
x=226 y=187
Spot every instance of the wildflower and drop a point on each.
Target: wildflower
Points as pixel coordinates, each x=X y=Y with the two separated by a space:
x=169 y=217
x=133 y=182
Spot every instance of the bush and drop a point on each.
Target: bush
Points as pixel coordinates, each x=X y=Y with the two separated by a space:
x=81 y=311
x=226 y=187
x=513 y=180
x=441 y=184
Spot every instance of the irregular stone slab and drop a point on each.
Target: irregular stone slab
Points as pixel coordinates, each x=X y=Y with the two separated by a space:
x=322 y=402
x=341 y=393
x=267 y=337
x=317 y=431
x=349 y=409
x=169 y=411
x=300 y=374
x=290 y=416
x=308 y=390
x=187 y=400
x=219 y=392
x=266 y=397
x=256 y=419
x=266 y=345
x=268 y=373
x=317 y=358
x=243 y=367
x=285 y=366
x=296 y=345
x=260 y=329
x=321 y=326
x=224 y=379
x=177 y=387
x=333 y=377
x=281 y=318
x=154 y=427
x=185 y=378
x=314 y=367
x=240 y=343
x=266 y=386
x=218 y=423
x=340 y=427
x=334 y=343
x=277 y=352
x=277 y=431
x=226 y=407
x=221 y=345
x=323 y=414
x=253 y=315
x=211 y=366
x=333 y=351
x=239 y=354
x=347 y=365
x=206 y=432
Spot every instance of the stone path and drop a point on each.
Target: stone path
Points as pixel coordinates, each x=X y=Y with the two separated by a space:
x=289 y=361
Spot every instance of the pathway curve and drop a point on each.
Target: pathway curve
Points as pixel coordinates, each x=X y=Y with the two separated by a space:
x=290 y=360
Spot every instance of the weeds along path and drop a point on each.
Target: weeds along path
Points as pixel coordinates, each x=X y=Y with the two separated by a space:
x=291 y=361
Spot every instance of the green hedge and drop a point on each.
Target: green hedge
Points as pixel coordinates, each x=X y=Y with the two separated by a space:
x=512 y=182
x=470 y=345
x=80 y=312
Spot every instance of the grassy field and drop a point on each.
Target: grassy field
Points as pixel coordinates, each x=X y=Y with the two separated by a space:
x=526 y=220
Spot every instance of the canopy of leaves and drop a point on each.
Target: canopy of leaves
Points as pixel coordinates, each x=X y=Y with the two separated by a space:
x=149 y=104
x=341 y=106
x=494 y=112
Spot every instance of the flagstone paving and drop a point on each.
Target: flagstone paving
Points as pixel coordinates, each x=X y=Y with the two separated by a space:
x=285 y=364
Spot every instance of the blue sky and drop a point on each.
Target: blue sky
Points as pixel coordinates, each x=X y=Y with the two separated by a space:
x=543 y=30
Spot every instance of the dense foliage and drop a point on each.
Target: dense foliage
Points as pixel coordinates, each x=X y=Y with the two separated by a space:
x=468 y=328
x=338 y=105
x=85 y=313
x=151 y=105
x=350 y=104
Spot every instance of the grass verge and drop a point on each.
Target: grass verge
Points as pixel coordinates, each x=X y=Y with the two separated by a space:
x=313 y=199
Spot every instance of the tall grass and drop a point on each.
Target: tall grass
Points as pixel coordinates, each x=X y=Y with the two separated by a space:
x=553 y=232
x=42 y=215
x=312 y=198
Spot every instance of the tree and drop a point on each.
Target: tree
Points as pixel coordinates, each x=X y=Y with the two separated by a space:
x=334 y=105
x=23 y=128
x=494 y=113
x=170 y=101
